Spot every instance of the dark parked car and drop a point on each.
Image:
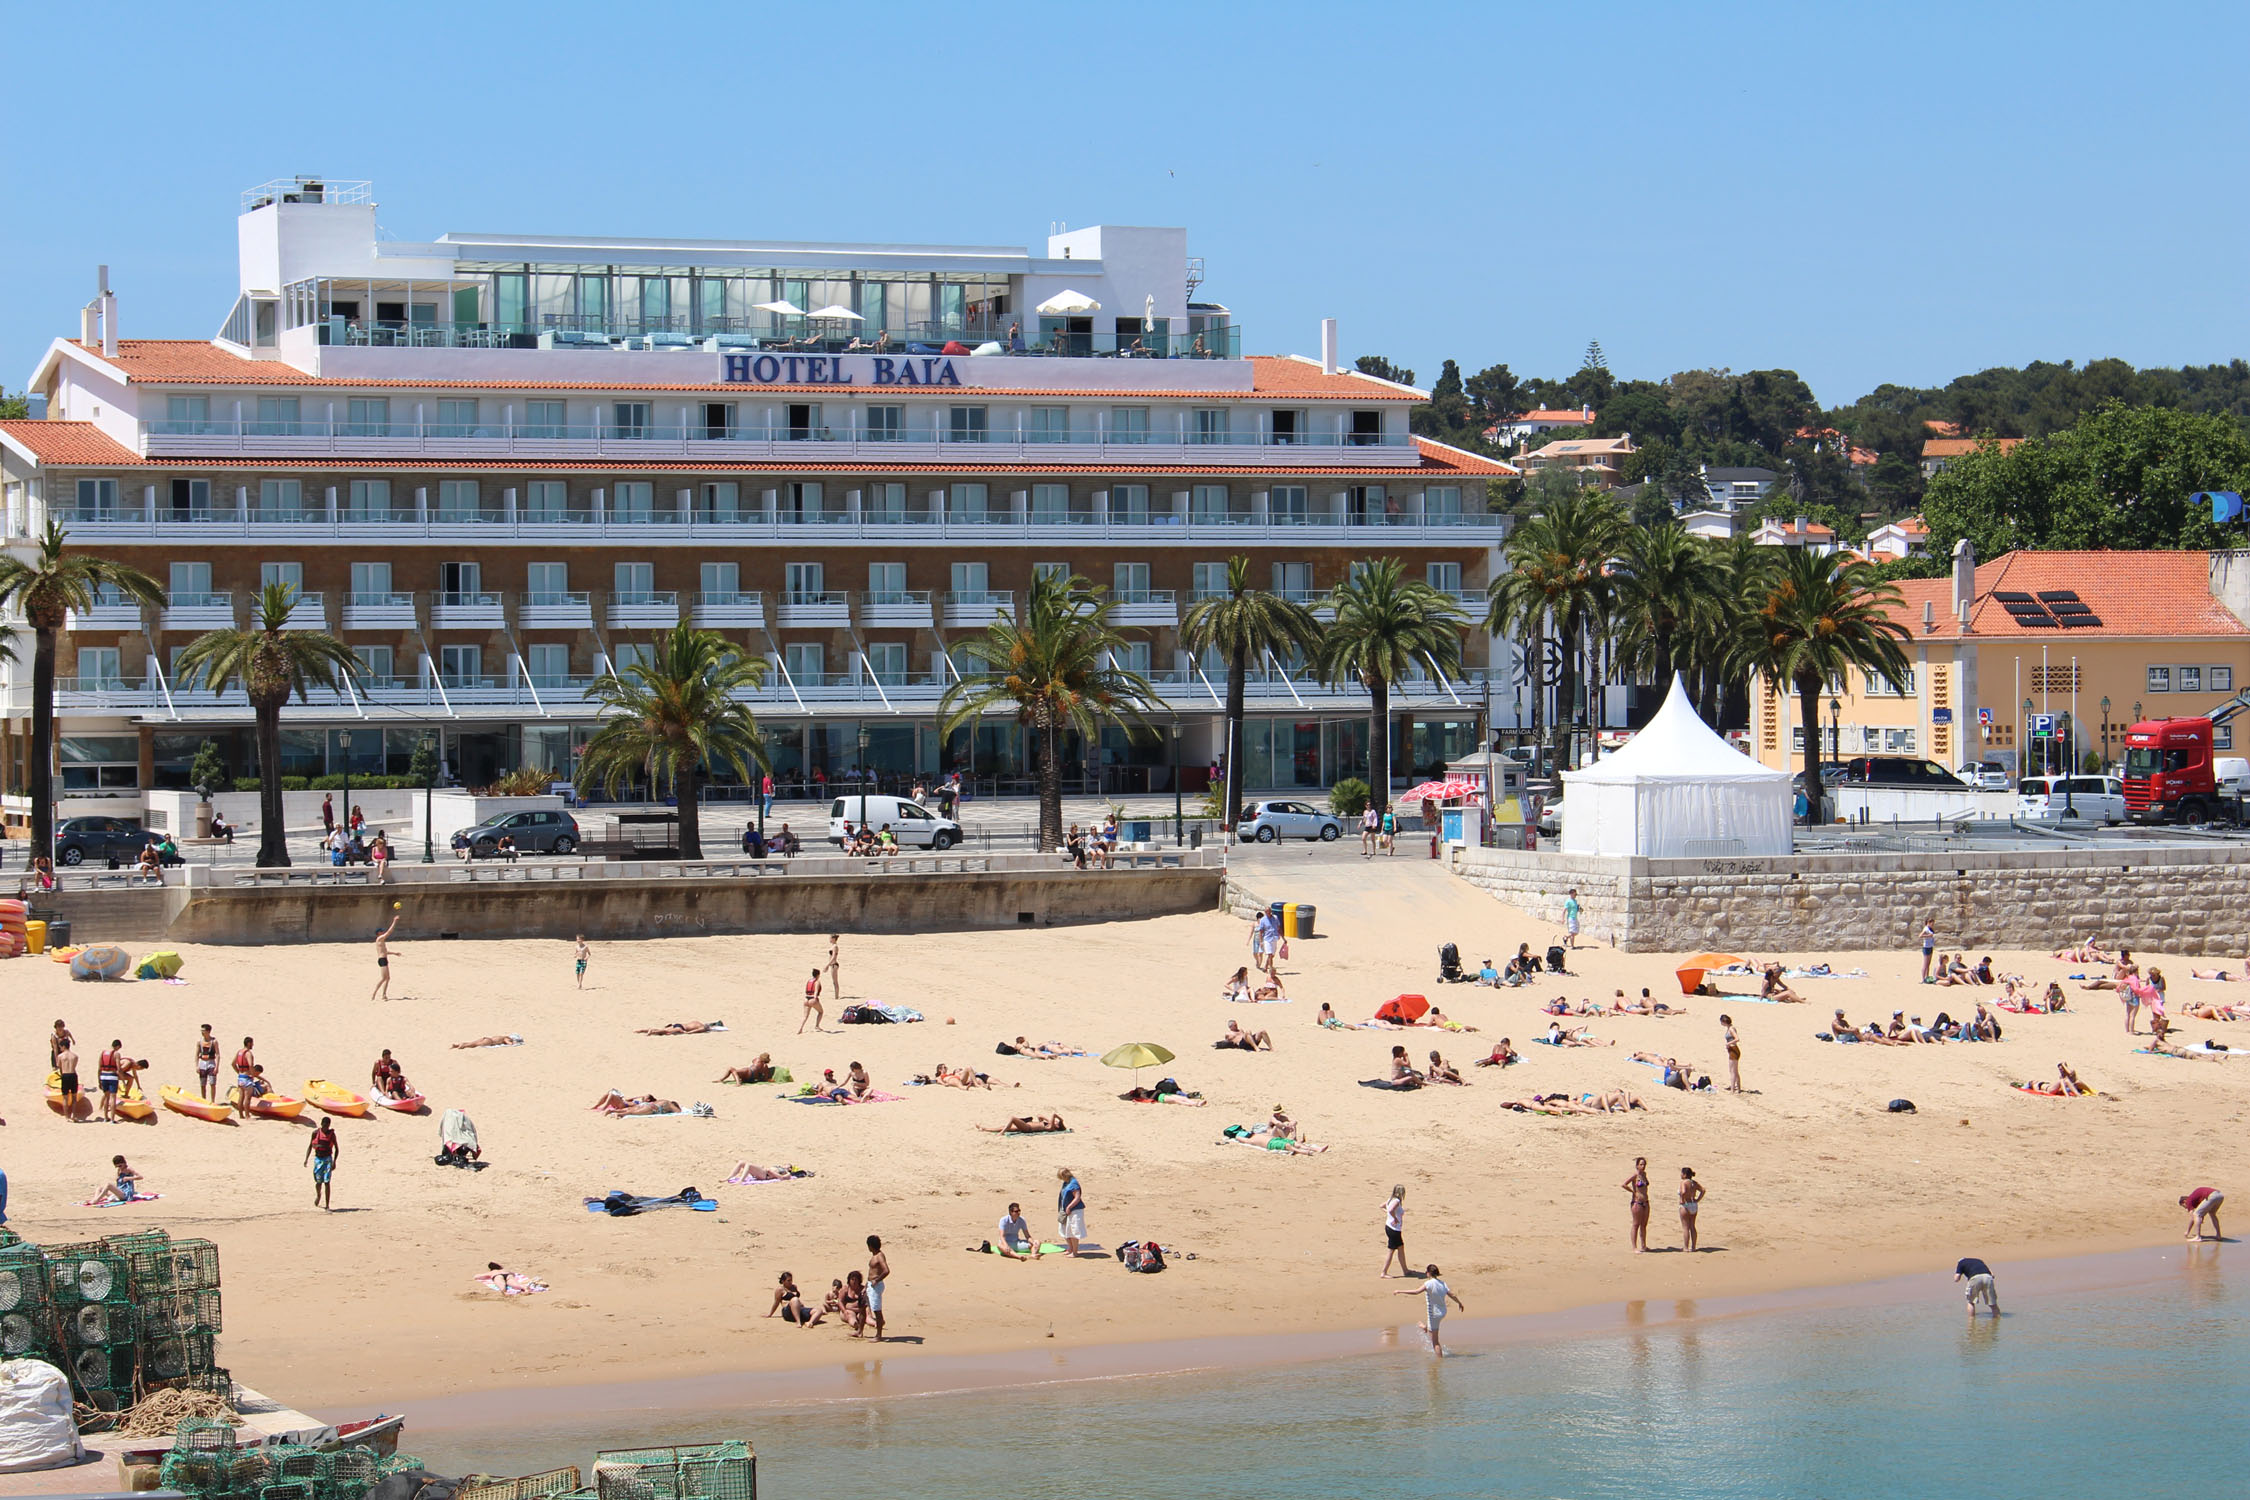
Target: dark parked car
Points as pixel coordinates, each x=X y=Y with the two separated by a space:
x=113 y=841
x=1899 y=770
x=538 y=831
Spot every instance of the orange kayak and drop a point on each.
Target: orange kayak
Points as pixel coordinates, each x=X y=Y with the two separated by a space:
x=277 y=1107
x=412 y=1104
x=194 y=1106
x=335 y=1099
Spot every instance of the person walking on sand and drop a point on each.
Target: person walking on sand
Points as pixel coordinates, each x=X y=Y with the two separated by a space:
x=1734 y=1054
x=1394 y=1232
x=1436 y=1294
x=813 y=1012
x=207 y=1064
x=878 y=1272
x=383 y=960
x=1691 y=1199
x=2203 y=1204
x=1929 y=948
x=322 y=1151
x=581 y=953
x=1981 y=1288
x=1636 y=1190
x=1070 y=1211
x=835 y=970
x=1571 y=911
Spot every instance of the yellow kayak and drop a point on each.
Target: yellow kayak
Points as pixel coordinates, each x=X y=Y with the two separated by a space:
x=335 y=1099
x=195 y=1106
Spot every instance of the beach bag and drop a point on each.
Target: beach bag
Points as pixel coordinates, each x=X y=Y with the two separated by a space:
x=1283 y=952
x=1901 y=1107
x=36 y=1426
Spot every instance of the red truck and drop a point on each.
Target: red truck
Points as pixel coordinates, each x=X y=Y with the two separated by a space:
x=2169 y=772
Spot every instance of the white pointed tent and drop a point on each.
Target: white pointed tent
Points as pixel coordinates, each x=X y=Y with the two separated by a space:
x=1676 y=790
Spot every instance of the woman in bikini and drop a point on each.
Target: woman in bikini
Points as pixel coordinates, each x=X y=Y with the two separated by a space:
x=760 y=1071
x=812 y=1004
x=683 y=1028
x=1403 y=1075
x=1691 y=1199
x=126 y=1186
x=1636 y=1205
x=790 y=1304
x=1773 y=988
x=1027 y=1125
x=750 y=1171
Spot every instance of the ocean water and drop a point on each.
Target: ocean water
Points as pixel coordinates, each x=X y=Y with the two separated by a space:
x=2114 y=1376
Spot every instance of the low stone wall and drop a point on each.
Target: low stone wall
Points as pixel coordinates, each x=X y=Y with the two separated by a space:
x=2175 y=898
x=645 y=908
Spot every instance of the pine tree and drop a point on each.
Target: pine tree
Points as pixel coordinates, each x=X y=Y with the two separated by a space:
x=1594 y=359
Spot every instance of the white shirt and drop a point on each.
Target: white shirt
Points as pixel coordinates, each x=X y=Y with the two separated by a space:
x=1394 y=1214
x=1437 y=1292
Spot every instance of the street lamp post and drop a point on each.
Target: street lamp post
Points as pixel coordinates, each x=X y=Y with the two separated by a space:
x=1835 y=742
x=1179 y=810
x=344 y=739
x=2026 y=756
x=863 y=780
x=2105 y=735
x=2070 y=766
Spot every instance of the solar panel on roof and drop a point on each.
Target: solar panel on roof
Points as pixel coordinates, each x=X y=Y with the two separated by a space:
x=2051 y=595
x=2076 y=622
x=2011 y=598
x=2042 y=621
x=2064 y=607
x=2014 y=608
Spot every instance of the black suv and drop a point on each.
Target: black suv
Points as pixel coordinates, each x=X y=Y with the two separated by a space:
x=1899 y=770
x=111 y=840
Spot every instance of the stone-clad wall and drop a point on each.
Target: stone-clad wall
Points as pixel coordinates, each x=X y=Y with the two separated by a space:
x=2176 y=899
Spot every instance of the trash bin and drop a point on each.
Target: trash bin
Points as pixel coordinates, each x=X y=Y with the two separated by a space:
x=58 y=931
x=1288 y=919
x=35 y=937
x=1301 y=920
x=1281 y=920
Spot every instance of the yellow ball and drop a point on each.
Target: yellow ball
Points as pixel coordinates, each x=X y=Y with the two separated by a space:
x=395 y=905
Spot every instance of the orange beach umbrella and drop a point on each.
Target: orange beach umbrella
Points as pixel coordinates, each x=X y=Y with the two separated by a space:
x=1695 y=966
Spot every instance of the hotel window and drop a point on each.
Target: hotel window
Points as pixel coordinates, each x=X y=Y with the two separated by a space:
x=99 y=762
x=281 y=499
x=2191 y=679
x=1210 y=580
x=289 y=574
x=1129 y=503
x=546 y=500
x=457 y=500
x=804 y=421
x=457 y=418
x=190 y=583
x=801 y=502
x=721 y=502
x=885 y=424
x=971 y=583
x=1210 y=504
x=631 y=654
x=1050 y=503
x=1133 y=657
x=97 y=499
x=2160 y=679
x=368 y=500
x=1207 y=424
x=191 y=499
x=965 y=502
x=965 y=424
x=807 y=662
x=886 y=583
x=548 y=665
x=1287 y=504
x=371 y=583
x=374 y=665
x=634 y=583
x=460 y=583
x=884 y=502
x=1129 y=583
x=718 y=421
x=98 y=666
x=461 y=666
x=1290 y=427
x=807 y=582
x=1050 y=572
x=721 y=583
x=1049 y=424
x=1293 y=581
x=632 y=502
x=546 y=583
x=545 y=419
x=188 y=413
x=277 y=416
x=2222 y=679
x=1367 y=428
x=886 y=661
x=1128 y=424
x=629 y=419
x=367 y=416
x=1879 y=686
x=1441 y=505
x=1445 y=577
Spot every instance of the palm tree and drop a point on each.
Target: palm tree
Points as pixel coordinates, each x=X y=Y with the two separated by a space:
x=1666 y=586
x=1386 y=624
x=1820 y=615
x=1242 y=623
x=47 y=588
x=672 y=716
x=273 y=663
x=1742 y=571
x=1557 y=564
x=1056 y=668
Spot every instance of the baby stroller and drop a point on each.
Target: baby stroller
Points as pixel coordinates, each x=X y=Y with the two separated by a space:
x=1449 y=964
x=1555 y=955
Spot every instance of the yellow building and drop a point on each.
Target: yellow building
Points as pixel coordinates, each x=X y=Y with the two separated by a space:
x=2103 y=638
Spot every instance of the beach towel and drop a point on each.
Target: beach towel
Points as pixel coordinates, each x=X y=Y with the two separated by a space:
x=2025 y=1088
x=873 y=1096
x=619 y=1204
x=2203 y=1049
x=509 y=1284
x=1268 y=1000
x=114 y=1202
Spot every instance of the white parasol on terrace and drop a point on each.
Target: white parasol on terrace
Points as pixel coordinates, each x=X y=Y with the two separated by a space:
x=1066 y=302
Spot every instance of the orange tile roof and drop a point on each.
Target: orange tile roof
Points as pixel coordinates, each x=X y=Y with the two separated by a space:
x=1790 y=528
x=192 y=362
x=1566 y=415
x=1444 y=456
x=1955 y=447
x=2152 y=594
x=74 y=443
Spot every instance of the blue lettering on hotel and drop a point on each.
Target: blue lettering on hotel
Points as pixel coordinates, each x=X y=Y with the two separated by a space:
x=832 y=369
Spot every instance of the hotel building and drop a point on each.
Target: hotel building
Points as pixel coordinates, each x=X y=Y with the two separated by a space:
x=495 y=465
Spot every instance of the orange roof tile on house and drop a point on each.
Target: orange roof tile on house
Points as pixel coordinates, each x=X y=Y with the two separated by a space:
x=72 y=443
x=2157 y=595
x=1955 y=447
x=194 y=362
x=1566 y=415
x=1913 y=524
x=1791 y=528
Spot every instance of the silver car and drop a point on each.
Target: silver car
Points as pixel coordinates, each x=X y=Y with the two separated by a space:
x=1267 y=821
x=2097 y=799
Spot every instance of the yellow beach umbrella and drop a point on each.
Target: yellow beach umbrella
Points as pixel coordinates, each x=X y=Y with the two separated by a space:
x=1137 y=1055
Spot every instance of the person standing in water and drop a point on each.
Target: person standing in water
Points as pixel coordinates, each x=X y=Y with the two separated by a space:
x=1394 y=1232
x=1691 y=1199
x=383 y=959
x=1981 y=1288
x=1734 y=1054
x=1436 y=1294
x=1636 y=1189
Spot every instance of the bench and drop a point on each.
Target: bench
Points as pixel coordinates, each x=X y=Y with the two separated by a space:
x=626 y=849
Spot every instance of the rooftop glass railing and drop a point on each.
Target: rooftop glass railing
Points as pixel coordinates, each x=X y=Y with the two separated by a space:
x=847 y=427
x=808 y=336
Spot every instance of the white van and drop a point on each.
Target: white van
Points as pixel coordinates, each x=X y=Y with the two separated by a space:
x=914 y=826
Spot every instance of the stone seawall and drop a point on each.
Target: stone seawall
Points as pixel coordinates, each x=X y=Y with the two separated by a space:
x=2179 y=899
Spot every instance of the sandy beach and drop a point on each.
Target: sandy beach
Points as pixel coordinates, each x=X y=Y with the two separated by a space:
x=1810 y=1182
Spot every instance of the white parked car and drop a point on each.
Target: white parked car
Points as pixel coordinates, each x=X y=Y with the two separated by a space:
x=2097 y=799
x=1267 y=821
x=1985 y=776
x=914 y=826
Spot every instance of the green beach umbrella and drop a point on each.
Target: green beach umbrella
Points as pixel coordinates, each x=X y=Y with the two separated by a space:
x=1137 y=1055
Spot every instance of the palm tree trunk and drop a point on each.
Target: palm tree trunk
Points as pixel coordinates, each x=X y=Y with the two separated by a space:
x=273 y=833
x=1808 y=701
x=1237 y=675
x=1566 y=699
x=1050 y=788
x=1379 y=741
x=687 y=789
x=40 y=784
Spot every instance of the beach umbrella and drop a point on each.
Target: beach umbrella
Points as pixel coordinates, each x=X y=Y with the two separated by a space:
x=1693 y=968
x=1404 y=1009
x=784 y=307
x=162 y=964
x=1066 y=302
x=101 y=961
x=834 y=310
x=1440 y=791
x=1137 y=1055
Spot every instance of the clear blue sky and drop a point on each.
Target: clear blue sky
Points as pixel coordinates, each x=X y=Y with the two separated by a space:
x=1864 y=192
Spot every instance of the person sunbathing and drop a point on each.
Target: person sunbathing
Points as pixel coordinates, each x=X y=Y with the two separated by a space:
x=1280 y=1125
x=2087 y=952
x=2033 y=1086
x=1559 y=1006
x=1049 y=1050
x=750 y=1171
x=615 y=1103
x=1140 y=1095
x=1774 y=989
x=1329 y=1018
x=1668 y=1069
x=759 y=1071
x=2204 y=1010
x=1246 y=1041
x=1575 y=1036
x=2070 y=1080
x=1615 y=1102
x=1403 y=1074
x=124 y=1186
x=1442 y=1071
x=2221 y=976
x=955 y=1078
x=1502 y=1055
x=1026 y=1125
x=1271 y=992
x=790 y=1304
x=1237 y=986
x=1559 y=1104
x=1645 y=1006
x=510 y=1040
x=683 y=1028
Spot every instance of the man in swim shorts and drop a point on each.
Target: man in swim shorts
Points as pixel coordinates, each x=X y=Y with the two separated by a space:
x=1980 y=1287
x=322 y=1151
x=245 y=1076
x=66 y=1082
x=383 y=960
x=583 y=954
x=105 y=1075
x=878 y=1272
x=207 y=1064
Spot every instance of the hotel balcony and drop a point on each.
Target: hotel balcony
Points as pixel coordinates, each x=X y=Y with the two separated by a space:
x=199 y=612
x=971 y=608
x=555 y=609
x=307 y=612
x=803 y=610
x=452 y=610
x=1145 y=607
x=905 y=609
x=733 y=610
x=108 y=614
x=644 y=609
x=378 y=611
